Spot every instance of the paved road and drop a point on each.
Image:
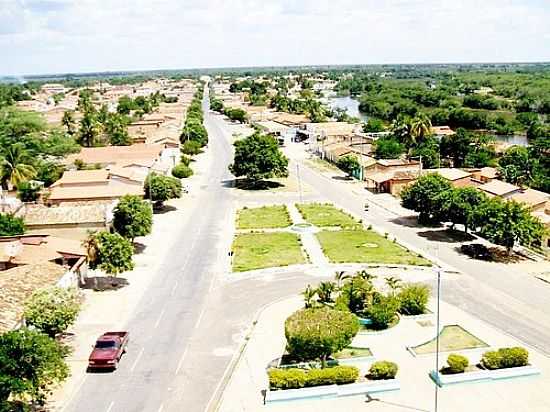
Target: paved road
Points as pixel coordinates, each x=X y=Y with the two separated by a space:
x=513 y=301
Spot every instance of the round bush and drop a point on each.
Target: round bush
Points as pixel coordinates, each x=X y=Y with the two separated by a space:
x=383 y=311
x=182 y=171
x=505 y=358
x=490 y=360
x=316 y=333
x=383 y=370
x=457 y=363
x=413 y=299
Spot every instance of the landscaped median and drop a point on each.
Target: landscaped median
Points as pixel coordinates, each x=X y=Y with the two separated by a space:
x=266 y=217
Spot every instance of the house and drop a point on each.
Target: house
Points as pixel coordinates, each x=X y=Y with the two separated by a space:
x=113 y=155
x=391 y=175
x=290 y=119
x=485 y=174
x=441 y=131
x=68 y=221
x=457 y=177
x=53 y=88
x=78 y=186
x=533 y=199
x=32 y=249
x=18 y=284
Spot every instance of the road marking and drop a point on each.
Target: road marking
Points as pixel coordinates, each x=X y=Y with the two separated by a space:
x=111 y=406
x=161 y=407
x=137 y=360
x=200 y=317
x=157 y=323
x=75 y=392
x=180 y=364
x=176 y=283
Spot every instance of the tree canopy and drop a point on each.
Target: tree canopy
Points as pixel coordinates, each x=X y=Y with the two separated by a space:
x=109 y=252
x=132 y=217
x=258 y=157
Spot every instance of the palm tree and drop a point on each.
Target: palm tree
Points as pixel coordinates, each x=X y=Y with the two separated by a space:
x=363 y=274
x=420 y=128
x=401 y=128
x=309 y=296
x=340 y=277
x=14 y=167
x=69 y=122
x=89 y=130
x=325 y=290
x=393 y=283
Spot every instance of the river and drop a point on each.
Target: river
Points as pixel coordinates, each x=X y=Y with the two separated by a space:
x=351 y=106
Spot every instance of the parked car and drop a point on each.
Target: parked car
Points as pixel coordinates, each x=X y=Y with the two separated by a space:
x=108 y=350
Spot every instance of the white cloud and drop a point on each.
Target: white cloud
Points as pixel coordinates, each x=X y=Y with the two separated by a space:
x=89 y=35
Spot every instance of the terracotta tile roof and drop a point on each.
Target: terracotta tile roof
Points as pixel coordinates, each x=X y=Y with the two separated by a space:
x=489 y=172
x=42 y=215
x=117 y=154
x=111 y=191
x=442 y=130
x=530 y=197
x=449 y=173
x=31 y=249
x=498 y=188
x=18 y=283
x=72 y=177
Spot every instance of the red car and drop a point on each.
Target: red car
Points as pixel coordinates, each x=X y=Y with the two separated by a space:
x=108 y=350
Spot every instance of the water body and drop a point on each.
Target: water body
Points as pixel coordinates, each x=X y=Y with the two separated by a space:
x=351 y=106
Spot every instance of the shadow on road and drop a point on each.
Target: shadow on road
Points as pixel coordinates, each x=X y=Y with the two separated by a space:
x=164 y=209
x=245 y=184
x=446 y=235
x=139 y=248
x=104 y=283
x=408 y=221
x=343 y=178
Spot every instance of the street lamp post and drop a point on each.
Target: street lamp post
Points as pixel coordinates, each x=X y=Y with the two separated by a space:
x=437 y=337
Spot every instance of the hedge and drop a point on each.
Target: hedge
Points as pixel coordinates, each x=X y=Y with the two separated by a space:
x=300 y=378
x=383 y=370
x=505 y=358
x=457 y=363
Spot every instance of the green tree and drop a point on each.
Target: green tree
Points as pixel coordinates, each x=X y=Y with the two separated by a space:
x=413 y=299
x=456 y=146
x=109 y=252
x=506 y=222
x=388 y=148
x=132 y=217
x=236 y=115
x=423 y=197
x=69 y=122
x=319 y=332
x=191 y=148
x=373 y=126
x=428 y=152
x=28 y=191
x=52 y=310
x=89 y=130
x=420 y=128
x=11 y=225
x=348 y=164
x=458 y=205
x=16 y=167
x=383 y=311
x=30 y=362
x=258 y=157
x=516 y=165
x=160 y=188
x=116 y=129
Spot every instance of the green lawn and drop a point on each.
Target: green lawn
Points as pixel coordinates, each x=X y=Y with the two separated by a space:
x=351 y=352
x=265 y=217
x=326 y=215
x=264 y=250
x=365 y=246
x=452 y=338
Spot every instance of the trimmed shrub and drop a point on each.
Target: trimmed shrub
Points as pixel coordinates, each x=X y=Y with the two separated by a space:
x=316 y=333
x=383 y=311
x=383 y=370
x=186 y=160
x=505 y=358
x=457 y=363
x=191 y=147
x=299 y=378
x=413 y=299
x=182 y=171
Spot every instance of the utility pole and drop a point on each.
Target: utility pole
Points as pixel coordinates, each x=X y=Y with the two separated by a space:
x=437 y=336
x=299 y=182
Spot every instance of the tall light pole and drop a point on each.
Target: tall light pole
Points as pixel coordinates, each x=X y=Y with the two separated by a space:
x=437 y=338
x=299 y=182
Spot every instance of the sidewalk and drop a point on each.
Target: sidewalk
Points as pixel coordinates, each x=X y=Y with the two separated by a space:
x=110 y=310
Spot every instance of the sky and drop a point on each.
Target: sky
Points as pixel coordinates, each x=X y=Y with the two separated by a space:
x=60 y=36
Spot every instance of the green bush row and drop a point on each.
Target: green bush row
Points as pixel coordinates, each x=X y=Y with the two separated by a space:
x=300 y=378
x=505 y=358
